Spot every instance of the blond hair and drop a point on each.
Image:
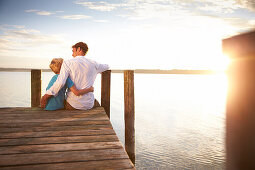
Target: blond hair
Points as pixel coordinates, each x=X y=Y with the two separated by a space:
x=55 y=65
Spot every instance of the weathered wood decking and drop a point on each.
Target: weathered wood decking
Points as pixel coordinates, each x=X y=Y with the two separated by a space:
x=35 y=139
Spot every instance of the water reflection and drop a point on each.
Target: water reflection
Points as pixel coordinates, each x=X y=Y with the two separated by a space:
x=180 y=120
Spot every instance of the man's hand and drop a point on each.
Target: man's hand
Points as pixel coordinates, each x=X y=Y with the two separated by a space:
x=91 y=89
x=44 y=100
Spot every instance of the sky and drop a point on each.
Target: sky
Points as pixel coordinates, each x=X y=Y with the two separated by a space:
x=126 y=34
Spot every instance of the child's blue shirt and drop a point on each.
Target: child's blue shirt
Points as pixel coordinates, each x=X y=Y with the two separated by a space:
x=57 y=102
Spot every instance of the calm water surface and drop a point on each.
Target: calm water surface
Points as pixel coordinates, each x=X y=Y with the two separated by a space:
x=179 y=119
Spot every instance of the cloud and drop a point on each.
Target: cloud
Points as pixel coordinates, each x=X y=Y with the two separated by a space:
x=146 y=9
x=252 y=22
x=136 y=9
x=102 y=21
x=31 y=10
x=40 y=12
x=180 y=14
x=183 y=14
x=75 y=17
x=99 y=6
x=6 y=26
x=47 y=13
x=190 y=13
x=249 y=4
x=44 y=13
x=239 y=25
x=23 y=42
x=223 y=6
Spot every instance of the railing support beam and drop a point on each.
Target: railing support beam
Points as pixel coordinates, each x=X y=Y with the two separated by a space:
x=129 y=109
x=240 y=116
x=35 y=88
x=105 y=91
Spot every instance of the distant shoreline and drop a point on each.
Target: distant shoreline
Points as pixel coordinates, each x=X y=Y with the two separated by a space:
x=173 y=71
x=139 y=71
x=22 y=69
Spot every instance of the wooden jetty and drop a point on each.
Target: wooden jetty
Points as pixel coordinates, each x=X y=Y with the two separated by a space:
x=35 y=139
x=32 y=138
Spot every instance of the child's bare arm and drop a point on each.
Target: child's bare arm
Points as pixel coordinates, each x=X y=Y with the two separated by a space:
x=82 y=91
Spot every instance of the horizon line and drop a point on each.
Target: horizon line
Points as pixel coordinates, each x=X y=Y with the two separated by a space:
x=141 y=71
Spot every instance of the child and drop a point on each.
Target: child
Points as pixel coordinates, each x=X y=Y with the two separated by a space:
x=57 y=102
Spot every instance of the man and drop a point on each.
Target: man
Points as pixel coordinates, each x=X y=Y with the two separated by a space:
x=82 y=72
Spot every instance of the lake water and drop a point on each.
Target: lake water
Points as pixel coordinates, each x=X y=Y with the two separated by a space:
x=179 y=119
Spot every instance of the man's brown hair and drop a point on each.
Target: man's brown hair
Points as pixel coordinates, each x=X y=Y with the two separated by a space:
x=83 y=46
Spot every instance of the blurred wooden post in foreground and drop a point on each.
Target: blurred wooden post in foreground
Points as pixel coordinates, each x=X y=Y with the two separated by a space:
x=240 y=116
x=129 y=114
x=35 y=88
x=105 y=91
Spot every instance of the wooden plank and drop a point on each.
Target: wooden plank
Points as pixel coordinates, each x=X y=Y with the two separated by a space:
x=53 y=124
x=59 y=117
x=105 y=91
x=46 y=114
x=36 y=110
x=59 y=157
x=55 y=128
x=52 y=140
x=23 y=109
x=27 y=110
x=58 y=133
x=129 y=101
x=52 y=120
x=50 y=113
x=35 y=88
x=88 y=165
x=53 y=113
x=45 y=119
x=58 y=147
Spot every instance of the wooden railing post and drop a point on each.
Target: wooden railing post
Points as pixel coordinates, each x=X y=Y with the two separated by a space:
x=35 y=88
x=129 y=114
x=240 y=115
x=105 y=91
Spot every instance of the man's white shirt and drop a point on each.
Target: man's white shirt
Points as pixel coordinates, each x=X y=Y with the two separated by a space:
x=82 y=72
